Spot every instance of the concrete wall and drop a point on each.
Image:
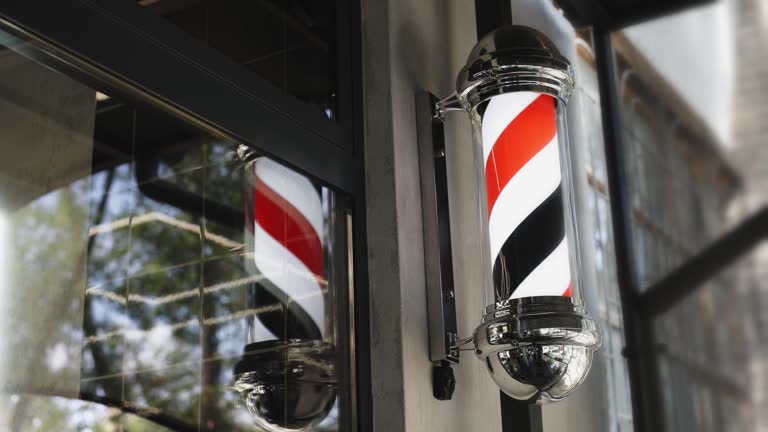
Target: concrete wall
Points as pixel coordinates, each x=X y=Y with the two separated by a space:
x=411 y=46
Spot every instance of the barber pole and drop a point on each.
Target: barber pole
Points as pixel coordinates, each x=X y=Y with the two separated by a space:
x=286 y=376
x=285 y=241
x=526 y=227
x=535 y=338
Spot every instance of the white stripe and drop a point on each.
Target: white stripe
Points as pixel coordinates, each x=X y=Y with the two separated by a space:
x=550 y=278
x=289 y=274
x=258 y=332
x=294 y=188
x=499 y=114
x=535 y=181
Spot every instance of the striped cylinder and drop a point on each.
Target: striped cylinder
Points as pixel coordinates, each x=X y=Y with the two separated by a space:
x=284 y=221
x=523 y=185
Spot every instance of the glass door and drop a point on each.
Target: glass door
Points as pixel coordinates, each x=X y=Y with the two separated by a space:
x=158 y=272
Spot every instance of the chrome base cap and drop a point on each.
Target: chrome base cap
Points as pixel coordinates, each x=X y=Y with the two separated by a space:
x=287 y=386
x=537 y=348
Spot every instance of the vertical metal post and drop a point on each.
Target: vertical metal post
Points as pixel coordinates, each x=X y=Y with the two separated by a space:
x=361 y=339
x=492 y=14
x=640 y=346
x=515 y=415
x=520 y=416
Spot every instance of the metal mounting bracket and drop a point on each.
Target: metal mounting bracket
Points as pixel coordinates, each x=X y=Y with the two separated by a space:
x=441 y=306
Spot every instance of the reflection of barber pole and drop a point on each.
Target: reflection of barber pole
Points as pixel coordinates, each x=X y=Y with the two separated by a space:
x=525 y=199
x=286 y=218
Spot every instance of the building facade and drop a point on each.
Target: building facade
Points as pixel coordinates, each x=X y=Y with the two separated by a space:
x=211 y=215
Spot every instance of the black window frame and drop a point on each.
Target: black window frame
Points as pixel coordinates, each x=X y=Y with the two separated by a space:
x=118 y=45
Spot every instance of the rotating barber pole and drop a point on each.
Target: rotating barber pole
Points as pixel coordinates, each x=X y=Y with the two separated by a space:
x=535 y=338
x=284 y=223
x=286 y=376
x=524 y=192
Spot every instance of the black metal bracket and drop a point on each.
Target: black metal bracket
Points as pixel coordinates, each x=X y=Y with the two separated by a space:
x=438 y=264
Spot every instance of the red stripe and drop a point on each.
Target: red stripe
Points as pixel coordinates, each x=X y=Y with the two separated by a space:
x=525 y=136
x=288 y=226
x=569 y=291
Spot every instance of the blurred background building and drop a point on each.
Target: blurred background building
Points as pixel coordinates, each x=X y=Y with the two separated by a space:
x=696 y=168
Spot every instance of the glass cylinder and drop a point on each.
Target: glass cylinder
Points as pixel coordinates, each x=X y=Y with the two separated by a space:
x=286 y=375
x=535 y=338
x=286 y=243
x=526 y=197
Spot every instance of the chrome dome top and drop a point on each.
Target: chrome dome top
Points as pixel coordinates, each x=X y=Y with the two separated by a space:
x=513 y=58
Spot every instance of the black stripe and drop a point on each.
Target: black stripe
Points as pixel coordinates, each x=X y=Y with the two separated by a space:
x=530 y=243
x=482 y=107
x=291 y=321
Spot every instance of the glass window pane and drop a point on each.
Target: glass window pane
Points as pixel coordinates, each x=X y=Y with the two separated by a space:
x=290 y=44
x=711 y=350
x=153 y=275
x=695 y=156
x=693 y=90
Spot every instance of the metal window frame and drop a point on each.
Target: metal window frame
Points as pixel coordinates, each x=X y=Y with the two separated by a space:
x=119 y=46
x=638 y=331
x=612 y=16
x=119 y=39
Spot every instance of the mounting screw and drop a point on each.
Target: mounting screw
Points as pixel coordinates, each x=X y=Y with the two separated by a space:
x=443 y=381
